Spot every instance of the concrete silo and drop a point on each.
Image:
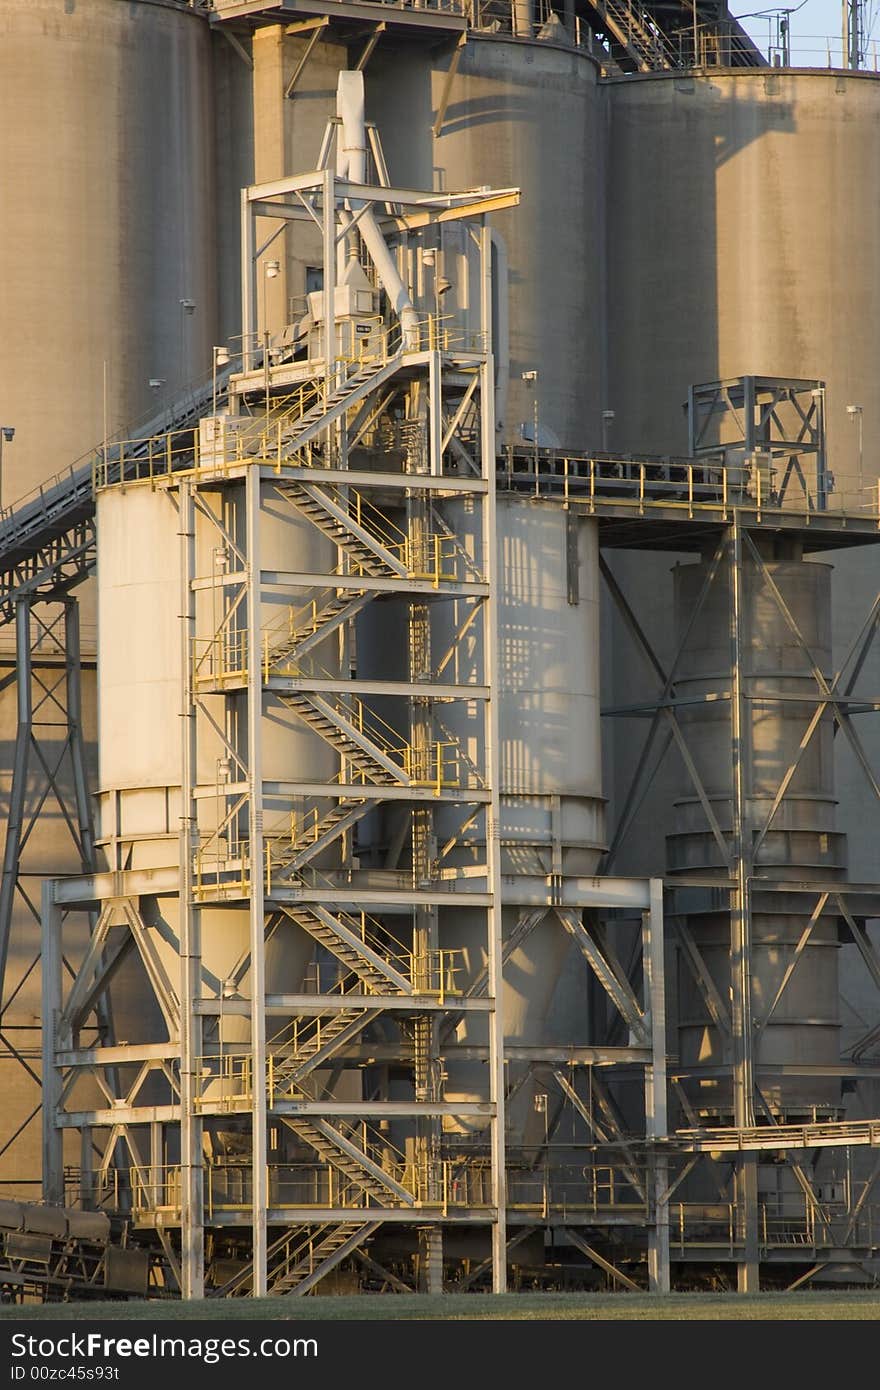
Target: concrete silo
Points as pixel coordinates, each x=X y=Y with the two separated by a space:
x=108 y=111
x=369 y=877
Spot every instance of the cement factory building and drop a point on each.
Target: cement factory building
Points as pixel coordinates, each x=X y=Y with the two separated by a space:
x=438 y=510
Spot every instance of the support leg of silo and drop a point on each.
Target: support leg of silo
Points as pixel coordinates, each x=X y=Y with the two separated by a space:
x=192 y=1192
x=431 y=1241
x=655 y=1090
x=747 y=1269
x=53 y=1155
x=746 y=1180
x=493 y=773
x=259 y=1138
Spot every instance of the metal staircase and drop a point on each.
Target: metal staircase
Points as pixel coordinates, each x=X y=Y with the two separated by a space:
x=325 y=1037
x=321 y=1250
x=304 y=636
x=341 y=817
x=349 y=392
x=367 y=552
x=47 y=538
x=362 y=752
x=659 y=35
x=339 y=934
x=348 y=1158
x=645 y=46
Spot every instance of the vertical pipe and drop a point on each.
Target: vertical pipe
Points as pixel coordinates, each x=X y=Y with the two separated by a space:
x=248 y=283
x=435 y=419
x=192 y=1200
x=329 y=248
x=259 y=1174
x=87 y=1194
x=523 y=18
x=156 y=1163
x=53 y=1155
x=493 y=773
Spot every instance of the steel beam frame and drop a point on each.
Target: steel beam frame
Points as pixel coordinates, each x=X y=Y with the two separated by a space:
x=271 y=1084
x=739 y=1028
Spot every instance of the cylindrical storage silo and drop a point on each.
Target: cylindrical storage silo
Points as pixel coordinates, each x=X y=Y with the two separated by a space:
x=800 y=843
x=718 y=264
x=722 y=261
x=107 y=223
x=519 y=115
x=108 y=220
x=552 y=811
x=141 y=701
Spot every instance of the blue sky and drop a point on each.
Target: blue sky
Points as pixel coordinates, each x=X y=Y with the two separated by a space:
x=815 y=25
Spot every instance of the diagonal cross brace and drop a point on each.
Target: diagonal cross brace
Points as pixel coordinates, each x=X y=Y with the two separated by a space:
x=617 y=990
x=829 y=691
x=628 y=1170
x=700 y=971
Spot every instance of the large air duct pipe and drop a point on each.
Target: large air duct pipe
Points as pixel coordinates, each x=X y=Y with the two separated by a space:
x=351 y=164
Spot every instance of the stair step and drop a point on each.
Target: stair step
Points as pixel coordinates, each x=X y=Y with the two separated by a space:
x=361 y=965
x=344 y=744
x=324 y=1144
x=329 y=617
x=317 y=1260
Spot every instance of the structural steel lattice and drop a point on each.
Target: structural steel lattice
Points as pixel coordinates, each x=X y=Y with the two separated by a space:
x=720 y=511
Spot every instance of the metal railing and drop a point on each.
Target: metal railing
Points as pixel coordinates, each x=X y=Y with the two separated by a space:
x=691 y=486
x=262 y=439
x=228 y=1184
x=457 y=7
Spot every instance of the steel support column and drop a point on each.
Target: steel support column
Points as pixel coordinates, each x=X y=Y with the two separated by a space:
x=740 y=930
x=50 y=948
x=655 y=1088
x=259 y=1172
x=192 y=1233
x=493 y=773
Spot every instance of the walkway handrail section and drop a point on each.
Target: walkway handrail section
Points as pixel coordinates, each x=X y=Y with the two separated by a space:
x=49 y=509
x=688 y=484
x=811 y=1136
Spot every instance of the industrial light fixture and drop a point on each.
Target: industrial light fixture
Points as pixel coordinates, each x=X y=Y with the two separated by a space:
x=531 y=379
x=855 y=413
x=273 y=268
x=608 y=418
x=155 y=382
x=188 y=306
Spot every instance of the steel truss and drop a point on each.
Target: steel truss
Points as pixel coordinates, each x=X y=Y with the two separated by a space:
x=283 y=852
x=316 y=1174
x=743 y=1233
x=48 y=788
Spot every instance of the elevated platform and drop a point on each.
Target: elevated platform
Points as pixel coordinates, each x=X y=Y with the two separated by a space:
x=675 y=503
x=414 y=20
